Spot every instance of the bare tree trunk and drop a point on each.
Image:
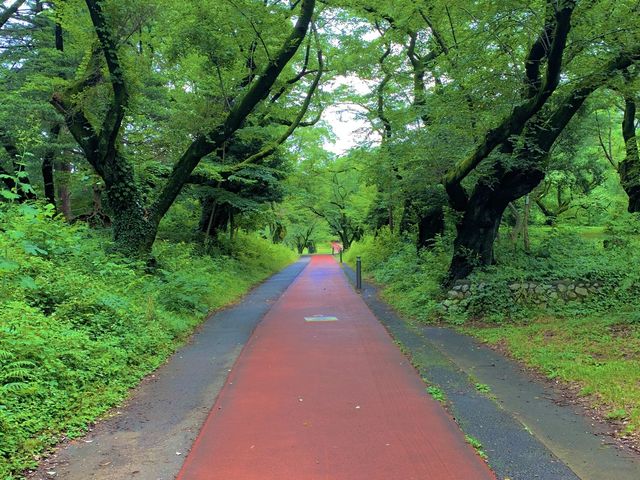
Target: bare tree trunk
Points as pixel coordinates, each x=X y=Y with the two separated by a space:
x=48 y=165
x=64 y=192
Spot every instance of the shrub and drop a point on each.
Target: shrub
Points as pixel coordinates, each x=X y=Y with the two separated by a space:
x=79 y=326
x=412 y=280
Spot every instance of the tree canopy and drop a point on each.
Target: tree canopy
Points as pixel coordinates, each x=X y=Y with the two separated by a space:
x=461 y=107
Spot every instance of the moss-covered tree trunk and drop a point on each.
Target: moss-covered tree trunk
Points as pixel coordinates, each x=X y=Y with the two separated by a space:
x=134 y=230
x=48 y=162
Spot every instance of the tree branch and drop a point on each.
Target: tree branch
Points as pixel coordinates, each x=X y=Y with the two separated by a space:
x=10 y=11
x=303 y=110
x=115 y=115
x=215 y=139
x=516 y=121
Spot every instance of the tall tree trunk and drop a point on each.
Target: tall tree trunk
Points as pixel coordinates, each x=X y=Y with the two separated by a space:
x=525 y=223
x=213 y=217
x=478 y=229
x=629 y=168
x=430 y=225
x=48 y=165
x=423 y=211
x=64 y=169
x=48 y=161
x=133 y=230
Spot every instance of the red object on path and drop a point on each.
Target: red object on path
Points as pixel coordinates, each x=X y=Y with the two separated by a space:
x=322 y=392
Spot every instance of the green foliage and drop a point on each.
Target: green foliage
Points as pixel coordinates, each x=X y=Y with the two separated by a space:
x=79 y=327
x=477 y=445
x=483 y=388
x=572 y=254
x=412 y=281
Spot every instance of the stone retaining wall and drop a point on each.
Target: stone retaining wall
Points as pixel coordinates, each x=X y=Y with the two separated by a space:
x=528 y=292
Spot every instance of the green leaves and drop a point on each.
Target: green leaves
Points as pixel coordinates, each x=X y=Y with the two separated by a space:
x=7 y=266
x=80 y=327
x=33 y=249
x=8 y=194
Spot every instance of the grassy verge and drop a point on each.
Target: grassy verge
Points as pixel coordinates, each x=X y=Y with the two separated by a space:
x=599 y=355
x=79 y=327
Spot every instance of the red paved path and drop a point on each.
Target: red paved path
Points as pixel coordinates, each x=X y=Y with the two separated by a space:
x=327 y=400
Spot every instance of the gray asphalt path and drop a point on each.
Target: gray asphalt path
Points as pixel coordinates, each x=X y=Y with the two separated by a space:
x=149 y=437
x=577 y=440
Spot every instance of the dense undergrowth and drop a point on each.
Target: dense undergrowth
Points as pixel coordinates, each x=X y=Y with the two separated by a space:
x=595 y=343
x=79 y=326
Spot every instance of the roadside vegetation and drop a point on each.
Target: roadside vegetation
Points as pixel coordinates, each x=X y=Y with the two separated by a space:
x=159 y=157
x=80 y=326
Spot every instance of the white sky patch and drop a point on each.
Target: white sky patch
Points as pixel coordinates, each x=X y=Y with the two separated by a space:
x=349 y=130
x=345 y=119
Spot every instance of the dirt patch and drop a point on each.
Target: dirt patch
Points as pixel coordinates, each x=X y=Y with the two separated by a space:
x=548 y=336
x=624 y=330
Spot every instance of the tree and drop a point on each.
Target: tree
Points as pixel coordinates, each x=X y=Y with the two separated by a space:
x=629 y=168
x=135 y=224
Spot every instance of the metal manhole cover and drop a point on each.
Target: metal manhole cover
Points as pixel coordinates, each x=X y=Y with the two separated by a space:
x=321 y=318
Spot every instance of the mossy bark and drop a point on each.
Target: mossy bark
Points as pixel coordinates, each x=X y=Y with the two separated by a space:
x=134 y=230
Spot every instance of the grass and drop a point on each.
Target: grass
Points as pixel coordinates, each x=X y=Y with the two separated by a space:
x=601 y=355
x=436 y=393
x=477 y=445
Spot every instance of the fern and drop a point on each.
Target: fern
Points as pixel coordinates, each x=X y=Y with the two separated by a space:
x=20 y=370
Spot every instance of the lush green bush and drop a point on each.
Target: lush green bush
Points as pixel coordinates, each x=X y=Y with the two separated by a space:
x=570 y=253
x=79 y=327
x=412 y=280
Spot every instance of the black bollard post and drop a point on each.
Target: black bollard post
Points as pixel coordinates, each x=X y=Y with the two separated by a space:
x=340 y=256
x=358 y=273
